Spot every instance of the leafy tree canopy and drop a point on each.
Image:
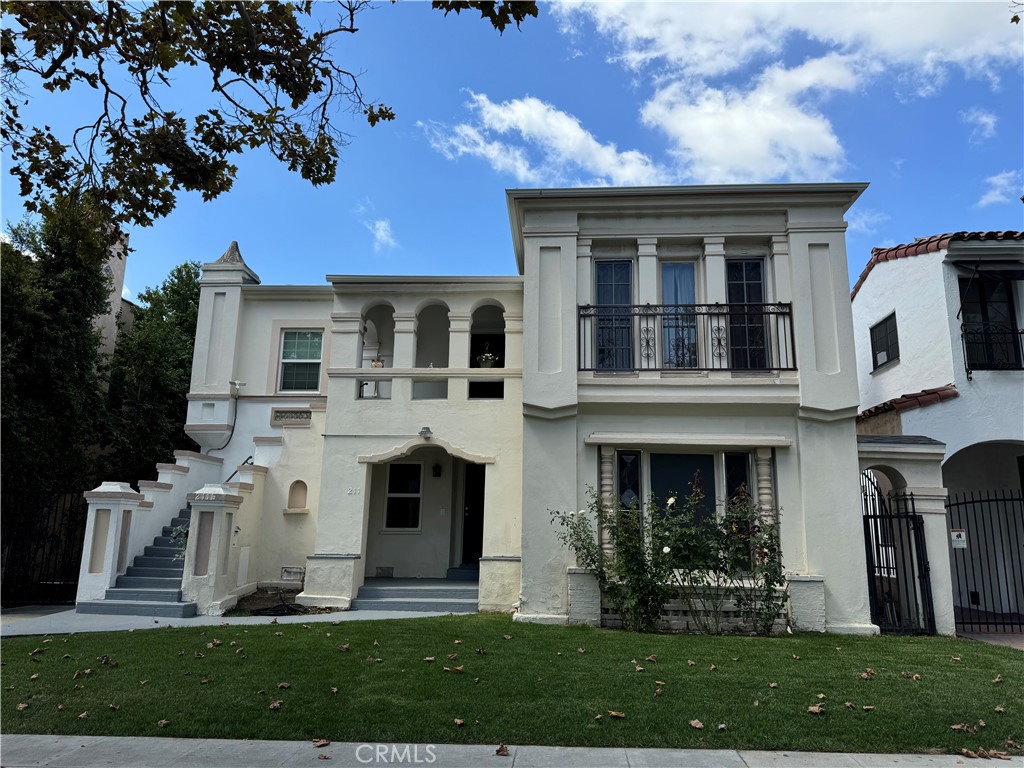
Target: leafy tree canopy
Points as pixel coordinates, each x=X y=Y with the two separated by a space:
x=52 y=288
x=275 y=80
x=150 y=375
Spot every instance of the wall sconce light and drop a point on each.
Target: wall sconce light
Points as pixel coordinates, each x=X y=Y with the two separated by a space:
x=425 y=433
x=435 y=470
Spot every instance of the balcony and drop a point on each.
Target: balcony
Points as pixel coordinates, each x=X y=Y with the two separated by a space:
x=624 y=338
x=992 y=347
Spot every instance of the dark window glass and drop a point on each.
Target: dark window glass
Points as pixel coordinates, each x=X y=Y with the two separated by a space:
x=885 y=344
x=613 y=294
x=737 y=474
x=629 y=478
x=748 y=342
x=300 y=361
x=404 y=478
x=992 y=339
x=678 y=474
x=403 y=512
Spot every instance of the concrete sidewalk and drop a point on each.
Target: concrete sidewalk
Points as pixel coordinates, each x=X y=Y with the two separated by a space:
x=20 y=751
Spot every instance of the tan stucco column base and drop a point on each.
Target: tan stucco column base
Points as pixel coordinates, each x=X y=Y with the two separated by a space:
x=331 y=581
x=500 y=578
x=584 y=598
x=806 y=602
x=541 y=618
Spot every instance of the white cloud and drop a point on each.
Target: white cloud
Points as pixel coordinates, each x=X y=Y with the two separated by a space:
x=1004 y=187
x=984 y=123
x=382 y=236
x=865 y=221
x=128 y=293
x=563 y=151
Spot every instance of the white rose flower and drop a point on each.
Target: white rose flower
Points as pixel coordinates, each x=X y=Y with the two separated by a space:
x=671 y=502
x=666 y=550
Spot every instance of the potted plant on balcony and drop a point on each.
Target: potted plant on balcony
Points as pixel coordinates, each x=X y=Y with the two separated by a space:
x=377 y=362
x=487 y=359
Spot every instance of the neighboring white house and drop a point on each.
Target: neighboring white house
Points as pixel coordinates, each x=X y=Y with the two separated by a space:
x=939 y=329
x=426 y=427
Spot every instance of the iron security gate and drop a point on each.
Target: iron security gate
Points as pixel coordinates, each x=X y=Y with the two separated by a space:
x=899 y=586
x=42 y=533
x=986 y=560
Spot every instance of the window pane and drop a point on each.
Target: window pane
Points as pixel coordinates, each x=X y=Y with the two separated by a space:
x=629 y=478
x=737 y=474
x=402 y=512
x=404 y=478
x=677 y=474
x=301 y=345
x=300 y=376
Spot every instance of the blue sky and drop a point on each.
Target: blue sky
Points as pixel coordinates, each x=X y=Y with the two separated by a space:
x=923 y=100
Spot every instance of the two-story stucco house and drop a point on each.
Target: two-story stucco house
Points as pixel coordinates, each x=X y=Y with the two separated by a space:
x=939 y=329
x=425 y=427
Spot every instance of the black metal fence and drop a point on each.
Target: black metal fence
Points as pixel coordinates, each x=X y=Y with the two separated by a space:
x=986 y=560
x=42 y=534
x=899 y=584
x=685 y=337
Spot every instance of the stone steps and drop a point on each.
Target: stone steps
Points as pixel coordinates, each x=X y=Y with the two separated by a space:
x=426 y=595
x=151 y=585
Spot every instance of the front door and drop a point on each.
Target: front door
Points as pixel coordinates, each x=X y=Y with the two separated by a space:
x=473 y=515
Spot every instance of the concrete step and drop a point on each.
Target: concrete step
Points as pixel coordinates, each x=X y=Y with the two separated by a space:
x=169 y=552
x=165 y=541
x=137 y=608
x=185 y=513
x=172 y=595
x=179 y=522
x=148 y=561
x=418 y=593
x=148 y=582
x=157 y=563
x=402 y=604
x=463 y=573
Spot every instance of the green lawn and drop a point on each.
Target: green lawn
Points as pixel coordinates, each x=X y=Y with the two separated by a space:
x=532 y=687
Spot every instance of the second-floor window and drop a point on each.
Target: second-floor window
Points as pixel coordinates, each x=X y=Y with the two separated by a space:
x=300 y=361
x=991 y=337
x=885 y=344
x=613 y=295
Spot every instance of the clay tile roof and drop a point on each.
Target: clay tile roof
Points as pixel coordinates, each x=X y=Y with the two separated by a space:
x=927 y=245
x=911 y=401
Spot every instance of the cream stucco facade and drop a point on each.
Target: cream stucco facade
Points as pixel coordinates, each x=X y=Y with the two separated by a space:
x=418 y=427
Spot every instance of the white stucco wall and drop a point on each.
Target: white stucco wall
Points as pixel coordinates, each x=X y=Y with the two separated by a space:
x=916 y=290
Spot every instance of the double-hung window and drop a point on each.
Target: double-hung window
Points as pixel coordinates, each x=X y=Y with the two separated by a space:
x=300 y=361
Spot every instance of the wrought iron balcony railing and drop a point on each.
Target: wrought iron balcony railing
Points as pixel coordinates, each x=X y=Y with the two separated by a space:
x=685 y=337
x=992 y=347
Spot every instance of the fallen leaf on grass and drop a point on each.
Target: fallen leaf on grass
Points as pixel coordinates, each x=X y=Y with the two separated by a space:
x=997 y=679
x=481 y=651
x=639 y=668
x=452 y=656
x=712 y=668
x=35 y=676
x=334 y=690
x=721 y=726
x=916 y=678
x=849 y=705
x=507 y=637
x=459 y=723
x=143 y=682
x=239 y=649
x=61 y=707
x=114 y=707
x=276 y=704
x=22 y=707
x=320 y=743
x=657 y=691
x=581 y=650
x=773 y=685
x=652 y=658
x=867 y=709
x=659 y=682
x=284 y=686
x=37 y=650
x=204 y=681
x=428 y=658
x=796 y=657
x=457 y=670
x=199 y=655
x=376 y=644
x=981 y=723
x=817 y=709
x=616 y=715
x=821 y=696
x=967 y=753
x=163 y=723
x=279 y=634
x=598 y=717
x=691 y=663
x=955 y=658
x=83 y=715
x=458 y=642
x=867 y=674
x=501 y=751
x=344 y=647
x=1000 y=708
x=697 y=724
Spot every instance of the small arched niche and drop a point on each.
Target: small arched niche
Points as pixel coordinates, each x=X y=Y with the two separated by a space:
x=432 y=335
x=487 y=351
x=297 y=498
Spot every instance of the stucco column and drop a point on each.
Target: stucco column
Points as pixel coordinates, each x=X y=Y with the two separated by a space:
x=780 y=263
x=765 y=482
x=930 y=503
x=107 y=531
x=405 y=339
x=714 y=270
x=459 y=324
x=647 y=256
x=210 y=563
x=513 y=340
x=607 y=493
x=584 y=271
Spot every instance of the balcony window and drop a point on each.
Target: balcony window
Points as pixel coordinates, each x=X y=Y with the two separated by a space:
x=885 y=343
x=991 y=337
x=679 y=329
x=748 y=348
x=613 y=294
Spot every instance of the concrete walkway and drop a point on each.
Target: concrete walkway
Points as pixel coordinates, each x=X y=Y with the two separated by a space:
x=127 y=752
x=51 y=620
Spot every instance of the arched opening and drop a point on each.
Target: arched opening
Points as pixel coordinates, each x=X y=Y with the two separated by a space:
x=377 y=349
x=432 y=340
x=297 y=495
x=487 y=350
x=991 y=465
